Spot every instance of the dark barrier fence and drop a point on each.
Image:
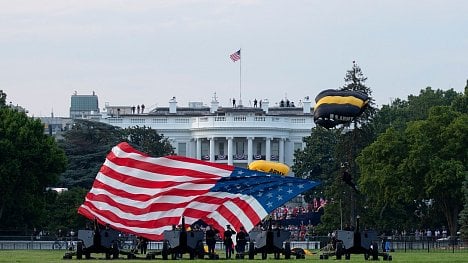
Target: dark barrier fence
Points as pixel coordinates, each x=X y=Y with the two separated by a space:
x=401 y=244
x=412 y=244
x=408 y=244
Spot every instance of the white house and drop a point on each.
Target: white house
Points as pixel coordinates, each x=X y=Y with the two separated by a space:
x=234 y=135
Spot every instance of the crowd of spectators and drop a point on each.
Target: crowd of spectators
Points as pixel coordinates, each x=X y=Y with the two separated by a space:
x=290 y=212
x=419 y=234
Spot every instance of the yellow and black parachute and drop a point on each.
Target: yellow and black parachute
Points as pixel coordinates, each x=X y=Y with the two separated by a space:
x=269 y=167
x=335 y=107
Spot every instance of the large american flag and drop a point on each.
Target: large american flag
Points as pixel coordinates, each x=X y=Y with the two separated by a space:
x=235 y=56
x=143 y=195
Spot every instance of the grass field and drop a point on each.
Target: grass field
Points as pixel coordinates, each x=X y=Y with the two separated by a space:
x=56 y=256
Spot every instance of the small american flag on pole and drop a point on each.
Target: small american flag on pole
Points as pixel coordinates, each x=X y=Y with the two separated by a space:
x=235 y=56
x=143 y=195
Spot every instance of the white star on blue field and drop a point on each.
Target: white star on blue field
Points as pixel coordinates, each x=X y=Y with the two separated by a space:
x=271 y=190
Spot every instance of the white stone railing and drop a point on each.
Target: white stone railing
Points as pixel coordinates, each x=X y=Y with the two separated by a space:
x=305 y=122
x=241 y=121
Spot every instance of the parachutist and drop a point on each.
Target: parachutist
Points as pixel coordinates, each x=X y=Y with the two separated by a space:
x=348 y=180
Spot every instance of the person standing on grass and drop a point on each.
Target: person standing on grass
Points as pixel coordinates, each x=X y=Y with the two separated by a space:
x=228 y=243
x=241 y=241
x=210 y=236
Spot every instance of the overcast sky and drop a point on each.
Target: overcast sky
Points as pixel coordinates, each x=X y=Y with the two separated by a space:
x=145 y=52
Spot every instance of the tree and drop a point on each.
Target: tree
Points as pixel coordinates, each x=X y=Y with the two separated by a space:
x=29 y=162
x=337 y=212
x=390 y=122
x=352 y=141
x=86 y=145
x=438 y=155
x=148 y=141
x=317 y=160
x=356 y=81
x=384 y=181
x=62 y=209
x=462 y=106
x=399 y=112
x=463 y=221
x=461 y=103
x=2 y=99
x=427 y=161
x=327 y=151
x=420 y=105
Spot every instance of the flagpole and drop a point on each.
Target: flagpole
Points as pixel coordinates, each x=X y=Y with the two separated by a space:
x=240 y=78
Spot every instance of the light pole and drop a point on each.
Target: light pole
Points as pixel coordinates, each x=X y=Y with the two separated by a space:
x=341 y=215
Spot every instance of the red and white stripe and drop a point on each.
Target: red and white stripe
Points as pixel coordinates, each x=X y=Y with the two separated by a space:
x=142 y=195
x=235 y=56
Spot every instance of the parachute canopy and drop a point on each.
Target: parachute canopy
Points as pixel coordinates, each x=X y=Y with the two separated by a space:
x=269 y=167
x=335 y=107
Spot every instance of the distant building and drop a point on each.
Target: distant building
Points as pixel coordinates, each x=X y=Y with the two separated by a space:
x=55 y=126
x=83 y=106
x=231 y=135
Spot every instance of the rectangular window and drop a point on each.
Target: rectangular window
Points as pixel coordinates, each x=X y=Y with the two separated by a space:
x=221 y=148
x=205 y=148
x=274 y=151
x=274 y=148
x=239 y=147
x=182 y=149
x=258 y=149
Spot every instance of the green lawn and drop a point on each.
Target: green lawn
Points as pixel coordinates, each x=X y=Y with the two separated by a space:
x=56 y=256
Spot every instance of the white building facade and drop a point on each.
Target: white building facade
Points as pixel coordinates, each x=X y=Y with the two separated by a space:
x=231 y=135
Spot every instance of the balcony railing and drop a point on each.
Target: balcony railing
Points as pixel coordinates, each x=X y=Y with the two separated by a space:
x=278 y=122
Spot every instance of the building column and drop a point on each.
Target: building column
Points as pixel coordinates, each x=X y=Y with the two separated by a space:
x=249 y=149
x=268 y=148
x=212 y=149
x=198 y=150
x=229 y=149
x=281 y=149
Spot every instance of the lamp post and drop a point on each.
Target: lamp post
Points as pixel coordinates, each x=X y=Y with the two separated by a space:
x=341 y=215
x=357 y=223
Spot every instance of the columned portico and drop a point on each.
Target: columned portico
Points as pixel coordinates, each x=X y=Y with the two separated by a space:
x=274 y=149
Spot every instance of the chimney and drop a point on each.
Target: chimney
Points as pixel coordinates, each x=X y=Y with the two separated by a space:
x=306 y=103
x=214 y=104
x=173 y=105
x=265 y=105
